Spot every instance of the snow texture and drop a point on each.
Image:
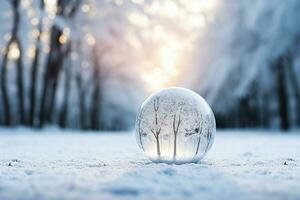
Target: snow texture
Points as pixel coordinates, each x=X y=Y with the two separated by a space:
x=52 y=164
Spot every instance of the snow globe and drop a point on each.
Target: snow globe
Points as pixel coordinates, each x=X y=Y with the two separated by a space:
x=175 y=125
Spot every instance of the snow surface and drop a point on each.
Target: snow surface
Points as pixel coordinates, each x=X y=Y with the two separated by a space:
x=54 y=164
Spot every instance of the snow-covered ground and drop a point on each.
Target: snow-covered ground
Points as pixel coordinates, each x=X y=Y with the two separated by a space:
x=60 y=165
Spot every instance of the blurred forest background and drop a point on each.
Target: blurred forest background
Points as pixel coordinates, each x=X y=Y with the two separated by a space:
x=89 y=64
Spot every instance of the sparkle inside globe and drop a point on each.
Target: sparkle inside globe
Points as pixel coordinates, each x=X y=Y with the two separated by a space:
x=175 y=125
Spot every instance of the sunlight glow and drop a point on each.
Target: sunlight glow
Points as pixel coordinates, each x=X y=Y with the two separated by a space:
x=167 y=56
x=85 y=8
x=172 y=33
x=14 y=51
x=169 y=8
x=90 y=39
x=50 y=6
x=139 y=20
x=35 y=33
x=157 y=38
x=164 y=74
x=119 y=2
x=25 y=3
x=34 y=21
x=63 y=38
x=31 y=52
x=7 y=36
x=155 y=79
x=198 y=6
x=138 y=1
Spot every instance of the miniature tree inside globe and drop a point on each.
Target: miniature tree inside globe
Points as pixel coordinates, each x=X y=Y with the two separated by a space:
x=175 y=125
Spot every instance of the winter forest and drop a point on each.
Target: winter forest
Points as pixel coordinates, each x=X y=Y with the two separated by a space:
x=89 y=64
x=149 y=99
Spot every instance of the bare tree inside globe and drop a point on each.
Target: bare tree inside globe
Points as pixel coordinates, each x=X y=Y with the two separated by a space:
x=175 y=125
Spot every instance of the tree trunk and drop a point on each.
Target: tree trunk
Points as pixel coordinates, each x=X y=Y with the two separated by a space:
x=157 y=145
x=208 y=139
x=20 y=84
x=265 y=111
x=97 y=93
x=58 y=51
x=81 y=101
x=5 y=97
x=140 y=132
x=175 y=146
x=199 y=140
x=296 y=89
x=282 y=95
x=82 y=109
x=34 y=72
x=198 y=145
x=95 y=106
x=53 y=68
x=64 y=111
x=52 y=96
x=43 y=102
x=33 y=86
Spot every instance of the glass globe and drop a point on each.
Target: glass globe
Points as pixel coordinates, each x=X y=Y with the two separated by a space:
x=175 y=125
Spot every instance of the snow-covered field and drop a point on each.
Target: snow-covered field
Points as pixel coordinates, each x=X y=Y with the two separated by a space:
x=60 y=165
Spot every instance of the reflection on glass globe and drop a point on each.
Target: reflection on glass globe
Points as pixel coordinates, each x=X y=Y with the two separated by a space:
x=175 y=125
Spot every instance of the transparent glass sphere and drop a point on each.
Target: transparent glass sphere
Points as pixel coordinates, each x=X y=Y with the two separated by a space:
x=175 y=125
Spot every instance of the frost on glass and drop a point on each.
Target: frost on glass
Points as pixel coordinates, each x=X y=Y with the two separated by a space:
x=175 y=125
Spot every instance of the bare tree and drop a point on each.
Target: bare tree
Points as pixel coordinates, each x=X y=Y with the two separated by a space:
x=58 y=51
x=141 y=132
x=294 y=83
x=83 y=87
x=198 y=130
x=176 y=123
x=63 y=116
x=210 y=127
x=81 y=101
x=5 y=97
x=209 y=135
x=157 y=130
x=14 y=39
x=282 y=93
x=97 y=92
x=34 y=69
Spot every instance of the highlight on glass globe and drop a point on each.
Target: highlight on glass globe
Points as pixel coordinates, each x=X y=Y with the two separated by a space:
x=175 y=125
